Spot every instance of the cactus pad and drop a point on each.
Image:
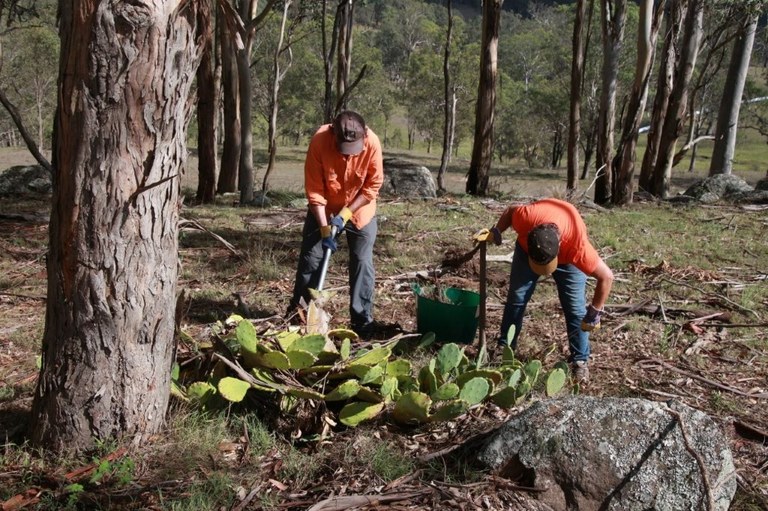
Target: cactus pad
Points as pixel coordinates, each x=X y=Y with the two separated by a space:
x=355 y=413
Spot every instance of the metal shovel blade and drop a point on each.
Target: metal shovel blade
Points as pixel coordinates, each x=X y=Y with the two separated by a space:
x=317 y=319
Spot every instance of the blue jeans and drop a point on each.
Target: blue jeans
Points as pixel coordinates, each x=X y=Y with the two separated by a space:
x=362 y=277
x=571 y=288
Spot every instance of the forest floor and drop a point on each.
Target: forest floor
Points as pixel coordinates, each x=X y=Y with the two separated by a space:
x=687 y=320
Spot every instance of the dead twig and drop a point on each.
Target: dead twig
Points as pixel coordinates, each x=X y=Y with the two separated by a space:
x=342 y=503
x=25 y=297
x=719 y=296
x=700 y=462
x=648 y=361
x=193 y=224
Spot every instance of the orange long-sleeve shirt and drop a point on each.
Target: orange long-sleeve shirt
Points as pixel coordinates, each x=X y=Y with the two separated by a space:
x=575 y=247
x=333 y=180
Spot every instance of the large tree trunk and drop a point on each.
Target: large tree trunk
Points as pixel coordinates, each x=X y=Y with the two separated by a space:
x=577 y=77
x=245 y=177
x=613 y=20
x=674 y=16
x=248 y=14
x=346 y=14
x=207 y=101
x=728 y=115
x=647 y=33
x=678 y=103
x=122 y=116
x=448 y=108
x=482 y=147
x=329 y=50
x=230 y=151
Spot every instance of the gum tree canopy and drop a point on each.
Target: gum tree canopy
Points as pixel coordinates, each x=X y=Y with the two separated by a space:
x=125 y=74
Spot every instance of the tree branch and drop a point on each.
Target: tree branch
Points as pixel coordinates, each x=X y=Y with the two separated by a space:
x=31 y=145
x=349 y=89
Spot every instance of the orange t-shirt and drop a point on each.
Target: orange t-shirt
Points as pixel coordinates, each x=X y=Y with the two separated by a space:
x=575 y=247
x=333 y=180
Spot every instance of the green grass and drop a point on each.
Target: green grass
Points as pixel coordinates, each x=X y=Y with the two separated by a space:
x=693 y=258
x=386 y=460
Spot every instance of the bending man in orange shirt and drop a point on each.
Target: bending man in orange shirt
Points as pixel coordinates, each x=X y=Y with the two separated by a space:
x=343 y=173
x=552 y=240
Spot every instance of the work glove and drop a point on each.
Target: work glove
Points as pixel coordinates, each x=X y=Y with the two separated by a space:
x=328 y=239
x=492 y=234
x=340 y=221
x=591 y=319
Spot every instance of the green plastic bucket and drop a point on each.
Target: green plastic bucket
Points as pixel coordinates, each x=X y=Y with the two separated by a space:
x=452 y=319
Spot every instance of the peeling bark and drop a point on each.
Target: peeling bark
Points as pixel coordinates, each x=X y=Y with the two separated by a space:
x=112 y=267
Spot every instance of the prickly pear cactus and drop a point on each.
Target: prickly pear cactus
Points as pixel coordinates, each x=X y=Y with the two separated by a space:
x=288 y=368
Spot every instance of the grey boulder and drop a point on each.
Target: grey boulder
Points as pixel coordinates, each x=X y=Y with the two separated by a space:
x=589 y=453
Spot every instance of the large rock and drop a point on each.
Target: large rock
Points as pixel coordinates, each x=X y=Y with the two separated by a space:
x=591 y=453
x=718 y=187
x=403 y=178
x=24 y=180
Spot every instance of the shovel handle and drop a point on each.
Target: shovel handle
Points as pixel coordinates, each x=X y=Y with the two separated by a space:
x=324 y=264
x=323 y=269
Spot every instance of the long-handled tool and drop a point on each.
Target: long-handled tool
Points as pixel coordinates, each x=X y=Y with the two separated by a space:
x=483 y=294
x=317 y=319
x=324 y=264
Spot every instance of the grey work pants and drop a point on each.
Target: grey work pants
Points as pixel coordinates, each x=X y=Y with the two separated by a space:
x=361 y=272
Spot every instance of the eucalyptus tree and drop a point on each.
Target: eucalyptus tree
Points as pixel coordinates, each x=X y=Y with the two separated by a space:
x=482 y=148
x=449 y=101
x=647 y=35
x=406 y=26
x=613 y=19
x=228 y=35
x=301 y=105
x=31 y=89
x=374 y=96
x=27 y=35
x=207 y=108
x=675 y=118
x=576 y=86
x=422 y=100
x=252 y=19
x=728 y=114
x=707 y=83
x=673 y=19
x=119 y=150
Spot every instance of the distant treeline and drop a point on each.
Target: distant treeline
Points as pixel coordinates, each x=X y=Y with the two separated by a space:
x=521 y=7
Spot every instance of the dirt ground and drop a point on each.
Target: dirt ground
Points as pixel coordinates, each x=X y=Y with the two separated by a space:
x=707 y=370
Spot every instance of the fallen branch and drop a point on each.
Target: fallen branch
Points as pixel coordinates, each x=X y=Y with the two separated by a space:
x=750 y=432
x=763 y=395
x=647 y=308
x=506 y=483
x=736 y=325
x=721 y=297
x=192 y=224
x=25 y=297
x=353 y=501
x=696 y=456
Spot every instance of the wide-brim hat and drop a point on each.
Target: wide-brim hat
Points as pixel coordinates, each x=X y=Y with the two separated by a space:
x=349 y=128
x=543 y=246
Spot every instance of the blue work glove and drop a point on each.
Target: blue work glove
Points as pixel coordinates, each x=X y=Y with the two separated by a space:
x=328 y=238
x=496 y=235
x=591 y=319
x=340 y=221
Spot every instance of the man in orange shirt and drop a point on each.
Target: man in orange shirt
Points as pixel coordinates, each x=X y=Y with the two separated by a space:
x=343 y=173
x=552 y=240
